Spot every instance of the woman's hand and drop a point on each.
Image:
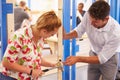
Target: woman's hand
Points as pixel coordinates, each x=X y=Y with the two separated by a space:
x=37 y=73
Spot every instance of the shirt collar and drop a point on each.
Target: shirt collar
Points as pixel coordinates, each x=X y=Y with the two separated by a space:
x=28 y=32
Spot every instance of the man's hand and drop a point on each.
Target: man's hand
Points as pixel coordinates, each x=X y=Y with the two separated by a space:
x=71 y=60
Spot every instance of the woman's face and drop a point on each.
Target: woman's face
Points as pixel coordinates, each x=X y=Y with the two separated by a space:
x=46 y=34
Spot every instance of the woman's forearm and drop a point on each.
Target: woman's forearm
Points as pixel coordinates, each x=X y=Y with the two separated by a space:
x=16 y=67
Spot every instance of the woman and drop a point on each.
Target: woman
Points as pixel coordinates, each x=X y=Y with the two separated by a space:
x=22 y=59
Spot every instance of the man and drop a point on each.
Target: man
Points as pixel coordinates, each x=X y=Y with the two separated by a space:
x=20 y=15
x=104 y=35
x=80 y=12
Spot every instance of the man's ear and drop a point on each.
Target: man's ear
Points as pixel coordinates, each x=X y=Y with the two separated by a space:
x=107 y=17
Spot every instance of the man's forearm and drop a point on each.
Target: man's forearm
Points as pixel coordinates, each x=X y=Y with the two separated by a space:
x=91 y=59
x=70 y=35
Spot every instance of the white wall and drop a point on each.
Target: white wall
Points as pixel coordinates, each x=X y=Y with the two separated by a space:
x=42 y=5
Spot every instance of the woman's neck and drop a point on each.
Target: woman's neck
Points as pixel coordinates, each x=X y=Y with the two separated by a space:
x=35 y=33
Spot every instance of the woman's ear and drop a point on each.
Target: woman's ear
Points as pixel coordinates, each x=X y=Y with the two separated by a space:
x=44 y=30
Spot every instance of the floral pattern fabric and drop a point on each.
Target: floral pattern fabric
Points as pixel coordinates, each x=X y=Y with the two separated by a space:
x=22 y=50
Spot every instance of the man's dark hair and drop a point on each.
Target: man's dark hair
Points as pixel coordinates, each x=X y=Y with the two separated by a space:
x=99 y=9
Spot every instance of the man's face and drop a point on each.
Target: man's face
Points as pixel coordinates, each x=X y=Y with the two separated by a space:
x=98 y=23
x=80 y=7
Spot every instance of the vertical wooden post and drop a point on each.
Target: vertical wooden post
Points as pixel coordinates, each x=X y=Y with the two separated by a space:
x=60 y=49
x=10 y=20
